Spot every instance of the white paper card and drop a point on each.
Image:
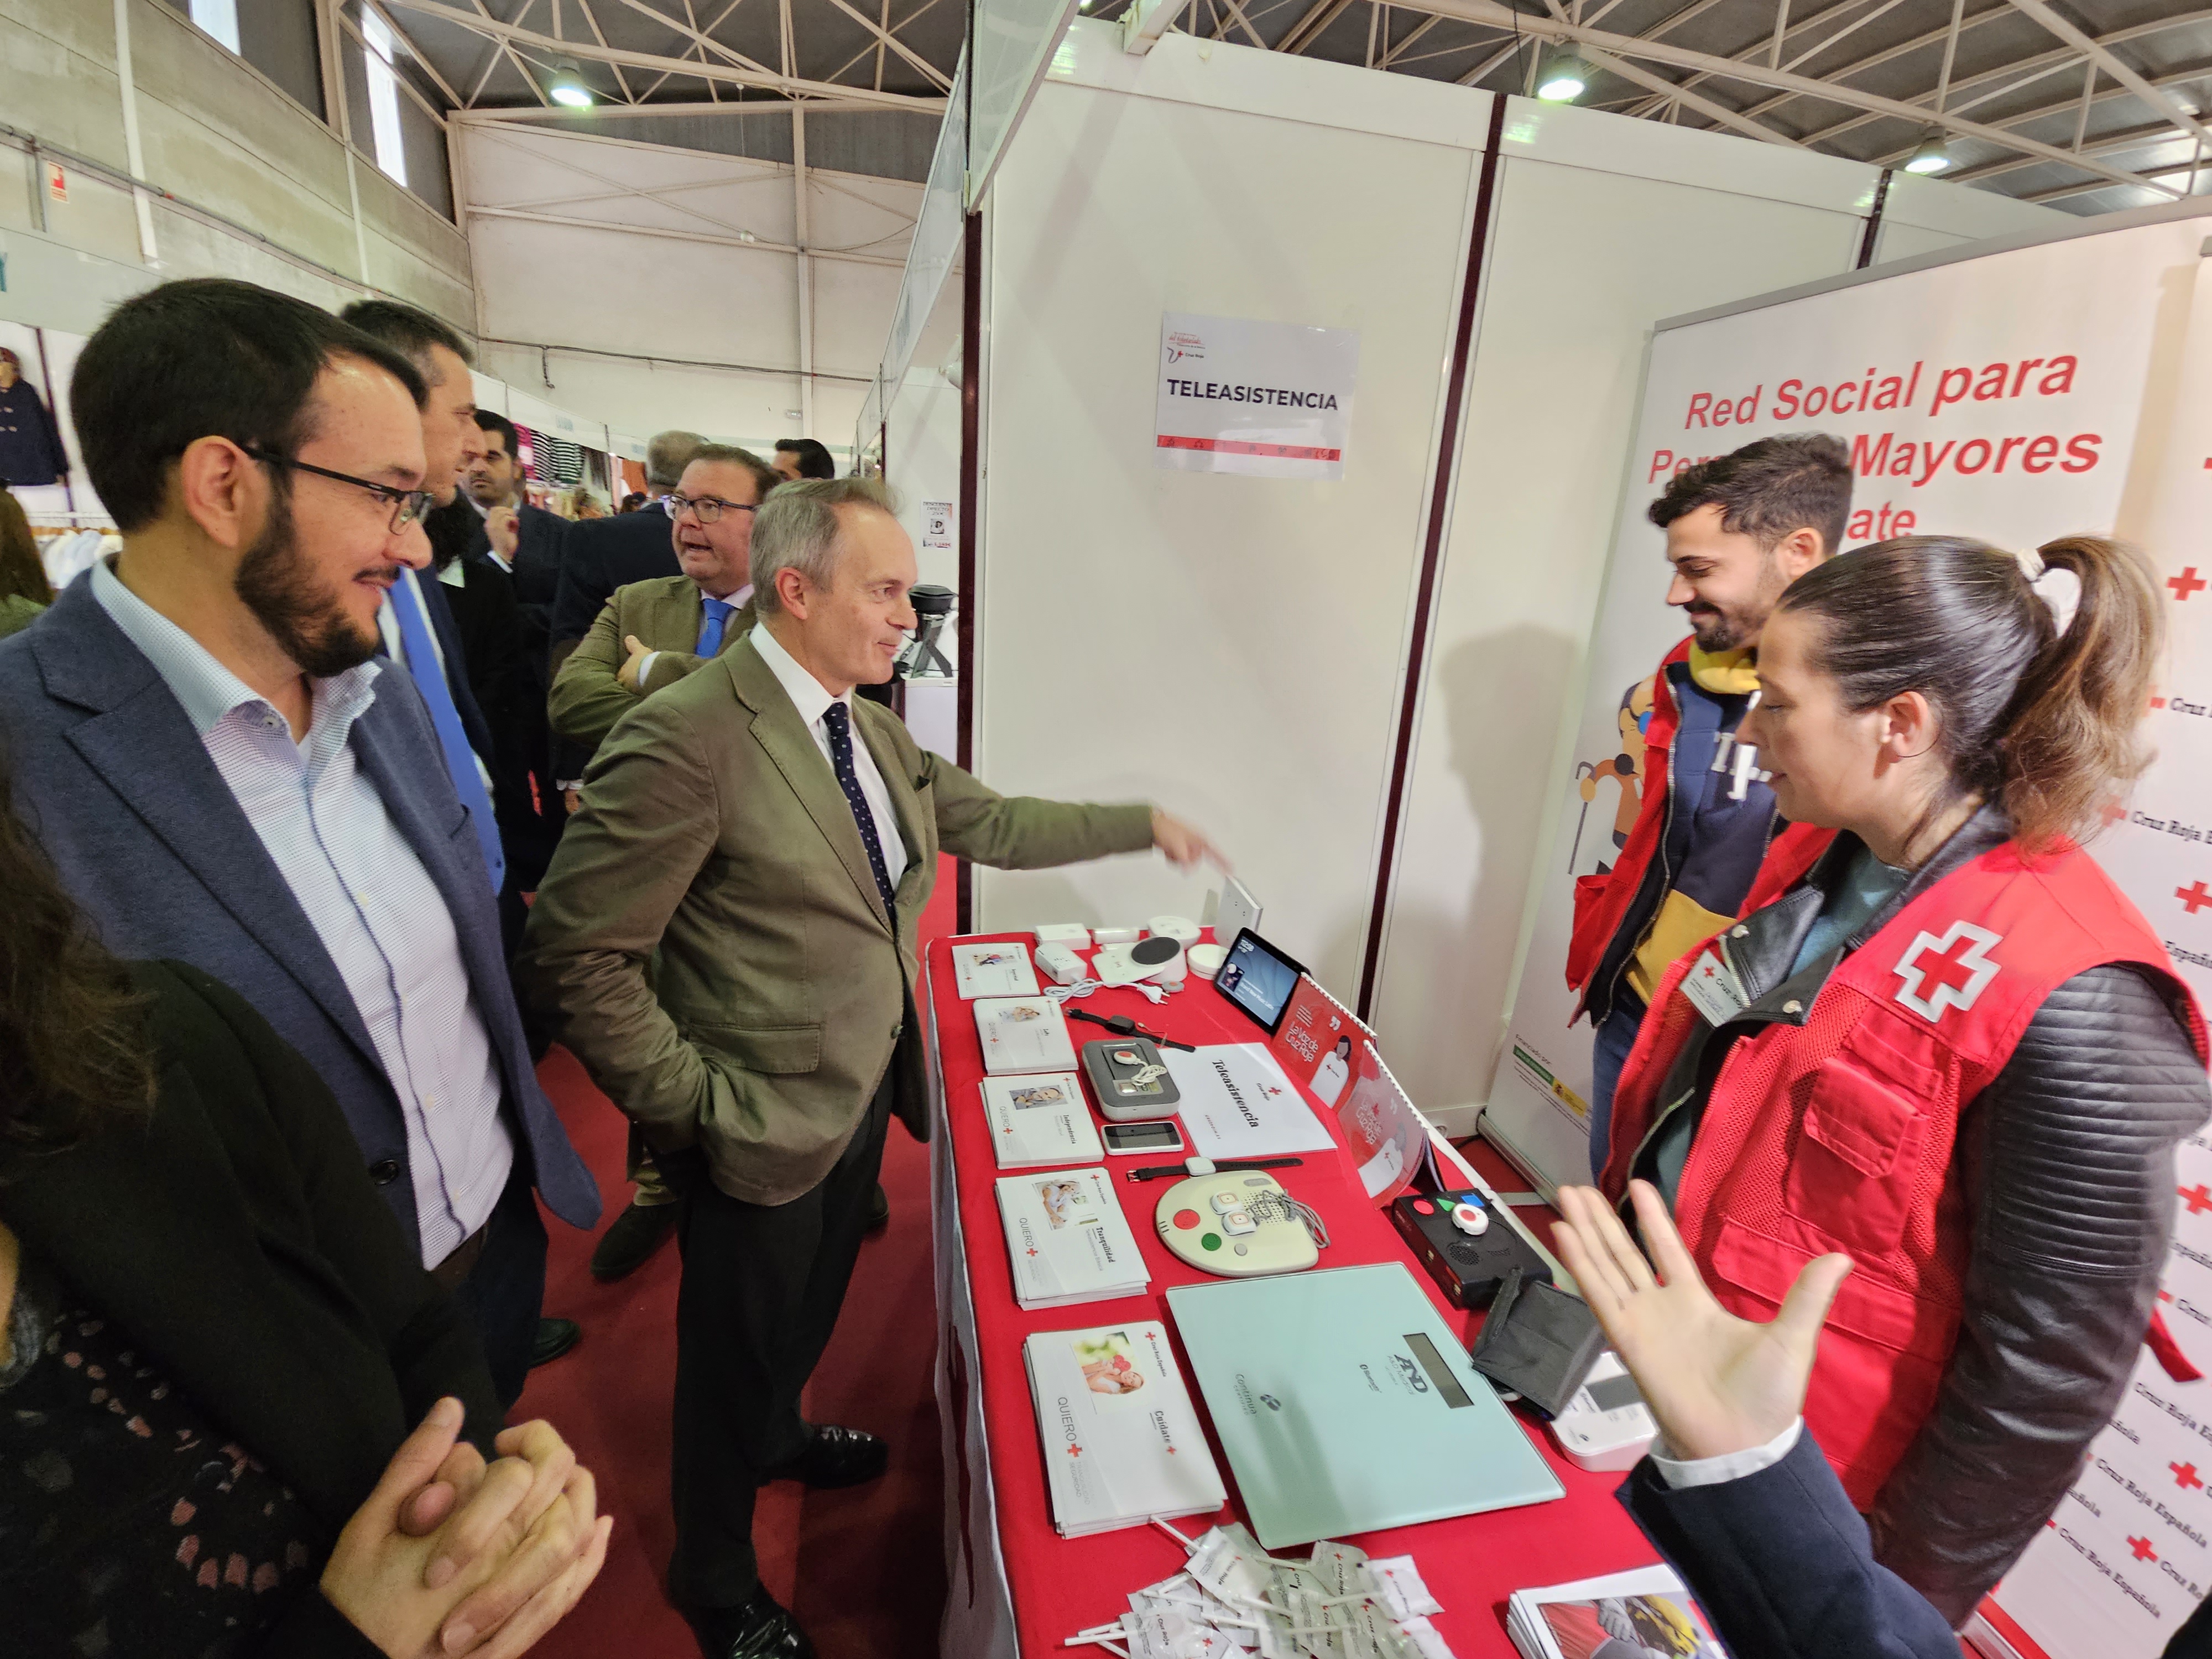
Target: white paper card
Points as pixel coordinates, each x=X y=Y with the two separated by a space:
x=993 y=970
x=1022 y=1034
x=1038 y=1119
x=1711 y=987
x=1067 y=1239
x=1237 y=1102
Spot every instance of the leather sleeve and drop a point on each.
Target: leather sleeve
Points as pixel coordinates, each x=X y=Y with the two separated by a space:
x=2067 y=1160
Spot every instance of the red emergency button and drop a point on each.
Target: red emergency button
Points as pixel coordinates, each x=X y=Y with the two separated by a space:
x=1186 y=1220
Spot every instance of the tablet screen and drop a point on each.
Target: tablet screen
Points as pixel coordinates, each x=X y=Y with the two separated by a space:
x=1259 y=979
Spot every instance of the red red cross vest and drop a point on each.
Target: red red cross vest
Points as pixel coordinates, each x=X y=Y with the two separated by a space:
x=1837 y=1134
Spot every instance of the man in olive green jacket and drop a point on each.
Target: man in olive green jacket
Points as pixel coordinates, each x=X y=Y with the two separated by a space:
x=649 y=635
x=767 y=844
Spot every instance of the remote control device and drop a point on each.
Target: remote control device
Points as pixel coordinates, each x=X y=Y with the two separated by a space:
x=1465 y=1247
x=1236 y=1223
x=1607 y=1425
x=1130 y=1079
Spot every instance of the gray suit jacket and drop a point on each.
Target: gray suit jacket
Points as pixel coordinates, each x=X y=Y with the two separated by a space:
x=111 y=777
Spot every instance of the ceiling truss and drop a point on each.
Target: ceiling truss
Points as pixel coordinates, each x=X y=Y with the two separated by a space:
x=2012 y=82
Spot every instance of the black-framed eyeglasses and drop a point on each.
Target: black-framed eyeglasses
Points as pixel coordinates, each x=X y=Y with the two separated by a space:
x=407 y=505
x=706 y=509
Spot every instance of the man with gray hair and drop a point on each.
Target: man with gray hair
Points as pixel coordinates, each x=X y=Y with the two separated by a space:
x=767 y=844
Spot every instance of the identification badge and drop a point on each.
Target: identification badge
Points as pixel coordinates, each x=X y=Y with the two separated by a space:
x=1711 y=987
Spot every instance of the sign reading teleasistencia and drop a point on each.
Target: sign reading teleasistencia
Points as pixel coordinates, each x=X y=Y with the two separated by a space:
x=1269 y=400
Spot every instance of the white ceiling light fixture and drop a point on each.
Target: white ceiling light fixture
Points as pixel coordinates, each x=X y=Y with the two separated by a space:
x=1563 y=80
x=567 y=88
x=1934 y=155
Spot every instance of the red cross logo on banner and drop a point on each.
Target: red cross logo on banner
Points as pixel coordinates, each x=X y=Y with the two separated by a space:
x=2143 y=1549
x=1953 y=976
x=2193 y=898
x=2186 y=583
x=2197 y=1198
x=2185 y=1476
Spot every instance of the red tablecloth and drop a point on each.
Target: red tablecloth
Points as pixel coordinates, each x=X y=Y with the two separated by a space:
x=1059 y=1586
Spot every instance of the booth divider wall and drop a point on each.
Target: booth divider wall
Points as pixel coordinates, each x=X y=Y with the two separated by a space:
x=1238 y=646
x=1231 y=645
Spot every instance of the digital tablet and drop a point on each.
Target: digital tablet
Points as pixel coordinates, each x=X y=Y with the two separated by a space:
x=1259 y=979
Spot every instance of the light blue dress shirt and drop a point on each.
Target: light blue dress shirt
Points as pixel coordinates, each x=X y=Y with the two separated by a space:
x=369 y=900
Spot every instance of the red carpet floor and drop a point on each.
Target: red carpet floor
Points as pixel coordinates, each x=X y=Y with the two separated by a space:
x=863 y=1569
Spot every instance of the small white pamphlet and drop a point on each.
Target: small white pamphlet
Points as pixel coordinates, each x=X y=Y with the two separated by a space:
x=1237 y=1102
x=1040 y=1118
x=993 y=970
x=1122 y=1441
x=1644 y=1606
x=1022 y=1034
x=1067 y=1239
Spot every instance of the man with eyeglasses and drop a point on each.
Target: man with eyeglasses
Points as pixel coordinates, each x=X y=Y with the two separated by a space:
x=649 y=635
x=226 y=772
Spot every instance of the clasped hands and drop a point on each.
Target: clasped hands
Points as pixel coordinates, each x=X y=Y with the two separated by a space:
x=1715 y=1384
x=452 y=1556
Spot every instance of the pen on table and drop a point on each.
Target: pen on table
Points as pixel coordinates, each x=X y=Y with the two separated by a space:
x=1160 y=1171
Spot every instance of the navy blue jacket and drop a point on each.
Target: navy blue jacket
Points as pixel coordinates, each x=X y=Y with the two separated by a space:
x=1783 y=1567
x=110 y=775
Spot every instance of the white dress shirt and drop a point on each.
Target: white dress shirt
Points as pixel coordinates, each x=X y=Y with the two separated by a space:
x=813 y=700
x=370 y=901
x=1681 y=1471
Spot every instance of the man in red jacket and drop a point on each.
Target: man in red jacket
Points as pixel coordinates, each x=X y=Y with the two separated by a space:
x=1706 y=846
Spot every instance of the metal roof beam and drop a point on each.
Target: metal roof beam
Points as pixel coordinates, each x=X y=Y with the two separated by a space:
x=2124 y=73
x=1628 y=46
x=790 y=85
x=2056 y=59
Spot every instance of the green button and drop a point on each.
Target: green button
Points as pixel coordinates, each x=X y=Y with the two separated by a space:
x=1211 y=1241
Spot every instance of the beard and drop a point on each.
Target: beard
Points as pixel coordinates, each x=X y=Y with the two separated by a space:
x=1725 y=629
x=309 y=625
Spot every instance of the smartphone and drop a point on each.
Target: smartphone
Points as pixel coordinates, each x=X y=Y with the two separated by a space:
x=1160 y=1135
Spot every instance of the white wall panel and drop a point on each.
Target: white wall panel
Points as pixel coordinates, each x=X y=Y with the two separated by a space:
x=664 y=272
x=1228 y=646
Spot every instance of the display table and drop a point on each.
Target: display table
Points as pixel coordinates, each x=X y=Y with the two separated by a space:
x=1015 y=1586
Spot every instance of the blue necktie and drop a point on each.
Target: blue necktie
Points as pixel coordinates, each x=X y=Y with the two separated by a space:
x=837 y=721
x=710 y=631
x=460 y=759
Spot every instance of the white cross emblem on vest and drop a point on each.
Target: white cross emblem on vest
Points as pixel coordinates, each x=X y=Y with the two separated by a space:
x=1953 y=976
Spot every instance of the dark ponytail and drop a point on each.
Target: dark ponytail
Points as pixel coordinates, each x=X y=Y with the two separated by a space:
x=2046 y=724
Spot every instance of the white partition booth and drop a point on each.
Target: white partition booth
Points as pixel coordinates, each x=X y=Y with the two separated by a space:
x=1240 y=648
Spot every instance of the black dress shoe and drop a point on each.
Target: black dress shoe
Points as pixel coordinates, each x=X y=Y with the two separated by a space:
x=759 y=1630
x=879 y=1209
x=638 y=1231
x=837 y=1457
x=554 y=1338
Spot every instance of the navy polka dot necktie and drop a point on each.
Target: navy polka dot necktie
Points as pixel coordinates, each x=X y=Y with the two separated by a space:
x=837 y=721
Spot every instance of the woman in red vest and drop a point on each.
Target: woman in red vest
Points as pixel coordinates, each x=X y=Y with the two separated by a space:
x=1954 y=1050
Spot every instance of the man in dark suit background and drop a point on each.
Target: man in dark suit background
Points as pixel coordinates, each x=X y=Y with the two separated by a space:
x=225 y=773
x=527 y=547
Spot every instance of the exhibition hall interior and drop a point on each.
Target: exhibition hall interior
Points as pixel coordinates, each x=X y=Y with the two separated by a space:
x=1180 y=828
